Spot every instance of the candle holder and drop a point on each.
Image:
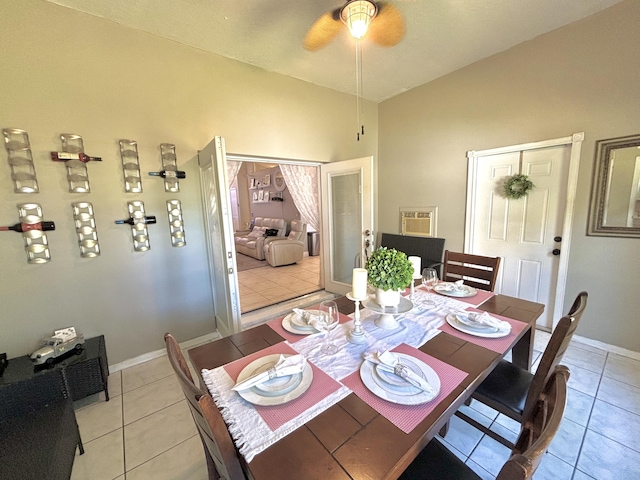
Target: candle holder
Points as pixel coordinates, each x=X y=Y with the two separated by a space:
x=356 y=335
x=413 y=287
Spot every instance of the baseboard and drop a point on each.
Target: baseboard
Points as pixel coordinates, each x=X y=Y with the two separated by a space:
x=609 y=348
x=145 y=357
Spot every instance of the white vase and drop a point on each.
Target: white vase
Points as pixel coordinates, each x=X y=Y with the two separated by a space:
x=387 y=298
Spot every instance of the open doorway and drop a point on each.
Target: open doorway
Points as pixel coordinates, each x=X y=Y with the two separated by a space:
x=261 y=191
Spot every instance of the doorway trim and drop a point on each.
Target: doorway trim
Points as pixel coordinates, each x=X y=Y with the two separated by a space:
x=474 y=156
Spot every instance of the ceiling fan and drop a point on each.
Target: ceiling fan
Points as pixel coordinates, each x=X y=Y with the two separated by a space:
x=380 y=21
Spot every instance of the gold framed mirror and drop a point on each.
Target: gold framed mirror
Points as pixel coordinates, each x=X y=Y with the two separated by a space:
x=614 y=209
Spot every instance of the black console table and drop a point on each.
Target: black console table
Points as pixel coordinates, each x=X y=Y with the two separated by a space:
x=85 y=372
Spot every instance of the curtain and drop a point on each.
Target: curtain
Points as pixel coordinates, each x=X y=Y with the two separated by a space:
x=232 y=170
x=302 y=183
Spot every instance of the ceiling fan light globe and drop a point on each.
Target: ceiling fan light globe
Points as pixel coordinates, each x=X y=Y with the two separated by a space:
x=357 y=15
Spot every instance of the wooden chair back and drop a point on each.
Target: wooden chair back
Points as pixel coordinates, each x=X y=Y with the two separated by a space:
x=557 y=346
x=476 y=270
x=538 y=429
x=222 y=457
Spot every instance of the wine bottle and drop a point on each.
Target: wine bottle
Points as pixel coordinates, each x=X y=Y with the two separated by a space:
x=169 y=174
x=25 y=227
x=132 y=221
x=64 y=156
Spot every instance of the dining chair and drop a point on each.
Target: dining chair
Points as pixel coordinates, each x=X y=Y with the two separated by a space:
x=436 y=462
x=512 y=390
x=476 y=270
x=220 y=452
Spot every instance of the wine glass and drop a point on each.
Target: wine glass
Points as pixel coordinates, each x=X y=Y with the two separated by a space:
x=429 y=279
x=329 y=319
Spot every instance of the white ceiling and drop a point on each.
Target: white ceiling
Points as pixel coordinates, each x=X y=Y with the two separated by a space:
x=442 y=35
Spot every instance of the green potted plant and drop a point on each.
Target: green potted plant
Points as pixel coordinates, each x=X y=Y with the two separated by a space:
x=389 y=271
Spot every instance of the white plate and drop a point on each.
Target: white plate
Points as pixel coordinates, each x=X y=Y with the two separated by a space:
x=487 y=332
x=278 y=390
x=465 y=291
x=292 y=328
x=388 y=386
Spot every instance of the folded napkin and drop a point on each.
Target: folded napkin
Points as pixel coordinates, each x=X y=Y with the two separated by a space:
x=284 y=366
x=308 y=317
x=389 y=362
x=482 y=319
x=451 y=287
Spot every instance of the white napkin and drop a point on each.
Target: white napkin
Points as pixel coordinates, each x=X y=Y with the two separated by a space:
x=484 y=319
x=308 y=317
x=451 y=287
x=283 y=367
x=388 y=362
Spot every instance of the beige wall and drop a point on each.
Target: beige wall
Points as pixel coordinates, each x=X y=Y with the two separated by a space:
x=583 y=77
x=67 y=72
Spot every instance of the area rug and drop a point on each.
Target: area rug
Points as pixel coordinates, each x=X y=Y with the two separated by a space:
x=246 y=262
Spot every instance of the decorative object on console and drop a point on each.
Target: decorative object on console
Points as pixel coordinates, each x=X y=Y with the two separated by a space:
x=76 y=161
x=170 y=171
x=276 y=197
x=32 y=228
x=176 y=223
x=517 y=186
x=389 y=271
x=62 y=342
x=138 y=221
x=130 y=166
x=85 y=223
x=20 y=159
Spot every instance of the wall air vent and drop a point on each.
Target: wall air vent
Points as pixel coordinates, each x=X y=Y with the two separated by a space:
x=419 y=222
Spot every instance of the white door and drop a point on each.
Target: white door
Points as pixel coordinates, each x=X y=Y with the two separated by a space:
x=235 y=215
x=531 y=234
x=220 y=245
x=347 y=220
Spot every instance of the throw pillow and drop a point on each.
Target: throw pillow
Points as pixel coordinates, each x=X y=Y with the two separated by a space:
x=271 y=232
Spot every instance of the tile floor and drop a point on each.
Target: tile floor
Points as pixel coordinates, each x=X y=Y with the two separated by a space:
x=264 y=286
x=146 y=431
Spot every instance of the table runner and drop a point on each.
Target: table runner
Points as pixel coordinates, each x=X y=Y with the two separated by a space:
x=499 y=345
x=253 y=433
x=407 y=417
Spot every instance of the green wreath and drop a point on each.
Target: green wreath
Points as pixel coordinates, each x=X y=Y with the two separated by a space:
x=517 y=186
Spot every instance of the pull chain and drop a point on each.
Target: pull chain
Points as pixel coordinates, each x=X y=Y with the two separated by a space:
x=359 y=100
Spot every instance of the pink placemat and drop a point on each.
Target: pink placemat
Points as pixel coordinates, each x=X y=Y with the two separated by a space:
x=499 y=345
x=276 y=325
x=277 y=415
x=408 y=417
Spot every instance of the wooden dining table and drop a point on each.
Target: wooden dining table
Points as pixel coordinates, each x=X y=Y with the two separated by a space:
x=351 y=440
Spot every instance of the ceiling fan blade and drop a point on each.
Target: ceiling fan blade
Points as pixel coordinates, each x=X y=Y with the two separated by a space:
x=387 y=28
x=323 y=30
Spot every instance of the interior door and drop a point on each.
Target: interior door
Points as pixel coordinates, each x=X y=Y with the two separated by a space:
x=220 y=245
x=235 y=205
x=347 y=220
x=528 y=233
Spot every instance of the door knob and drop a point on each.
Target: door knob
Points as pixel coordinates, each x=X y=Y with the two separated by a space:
x=367 y=233
x=556 y=251
x=557 y=239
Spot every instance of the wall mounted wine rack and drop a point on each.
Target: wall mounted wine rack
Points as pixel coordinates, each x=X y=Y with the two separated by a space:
x=169 y=166
x=20 y=158
x=77 y=173
x=138 y=221
x=85 y=222
x=176 y=223
x=36 y=244
x=130 y=166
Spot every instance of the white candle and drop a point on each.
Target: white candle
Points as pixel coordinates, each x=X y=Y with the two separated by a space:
x=416 y=262
x=359 y=283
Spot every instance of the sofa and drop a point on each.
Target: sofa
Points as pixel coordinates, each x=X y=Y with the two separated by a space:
x=252 y=243
x=290 y=249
